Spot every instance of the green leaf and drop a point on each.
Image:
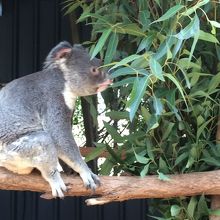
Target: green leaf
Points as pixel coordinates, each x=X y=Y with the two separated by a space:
x=177 y=47
x=150 y=149
x=218 y=51
x=202 y=128
x=181 y=158
x=164 y=48
x=123 y=82
x=136 y=95
x=126 y=60
x=163 y=165
x=170 y=13
x=71 y=7
x=175 y=210
x=168 y=130
x=214 y=212
x=178 y=85
x=215 y=23
x=192 y=206
x=207 y=37
x=113 y=132
x=106 y=167
x=186 y=79
x=145 y=113
x=101 y=42
x=116 y=115
x=162 y=176
x=86 y=14
x=202 y=207
x=195 y=40
x=145 y=43
x=185 y=64
x=142 y=5
x=143 y=18
x=196 y=76
x=200 y=93
x=200 y=120
x=190 y=162
x=145 y=170
x=196 y=6
x=152 y=123
x=95 y=153
x=139 y=64
x=141 y=159
x=111 y=48
x=124 y=71
x=115 y=156
x=214 y=83
x=156 y=69
x=158 y=106
x=172 y=106
x=190 y=30
x=132 y=29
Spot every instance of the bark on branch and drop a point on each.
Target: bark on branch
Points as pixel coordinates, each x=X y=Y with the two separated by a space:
x=120 y=188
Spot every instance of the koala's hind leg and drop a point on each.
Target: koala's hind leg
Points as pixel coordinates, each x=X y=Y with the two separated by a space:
x=36 y=150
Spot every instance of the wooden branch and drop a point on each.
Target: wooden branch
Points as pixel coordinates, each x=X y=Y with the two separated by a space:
x=120 y=188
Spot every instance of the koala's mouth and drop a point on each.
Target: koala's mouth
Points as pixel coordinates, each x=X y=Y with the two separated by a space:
x=103 y=86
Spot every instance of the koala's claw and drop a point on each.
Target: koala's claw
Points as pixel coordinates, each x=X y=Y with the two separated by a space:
x=96 y=179
x=90 y=180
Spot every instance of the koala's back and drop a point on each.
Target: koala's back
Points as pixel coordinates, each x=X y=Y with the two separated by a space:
x=21 y=103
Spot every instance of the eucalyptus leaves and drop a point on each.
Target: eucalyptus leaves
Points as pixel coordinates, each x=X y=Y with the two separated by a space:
x=164 y=59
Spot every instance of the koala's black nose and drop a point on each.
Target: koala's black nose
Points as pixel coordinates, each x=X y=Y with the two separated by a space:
x=95 y=71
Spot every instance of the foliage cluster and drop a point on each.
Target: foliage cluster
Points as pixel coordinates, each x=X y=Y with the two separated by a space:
x=164 y=59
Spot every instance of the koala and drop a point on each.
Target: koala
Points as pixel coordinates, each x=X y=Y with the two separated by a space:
x=36 y=112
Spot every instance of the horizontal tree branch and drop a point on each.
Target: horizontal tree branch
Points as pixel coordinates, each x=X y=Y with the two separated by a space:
x=120 y=188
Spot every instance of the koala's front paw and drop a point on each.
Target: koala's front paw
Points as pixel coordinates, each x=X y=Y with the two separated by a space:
x=90 y=180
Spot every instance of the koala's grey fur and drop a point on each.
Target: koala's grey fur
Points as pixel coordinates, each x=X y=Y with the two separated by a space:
x=35 y=116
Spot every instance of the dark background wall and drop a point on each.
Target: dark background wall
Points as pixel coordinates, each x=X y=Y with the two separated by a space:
x=28 y=30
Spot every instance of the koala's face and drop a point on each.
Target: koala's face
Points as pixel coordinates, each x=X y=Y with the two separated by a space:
x=82 y=74
x=91 y=78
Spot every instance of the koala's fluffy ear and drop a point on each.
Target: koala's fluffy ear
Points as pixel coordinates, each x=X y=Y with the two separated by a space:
x=62 y=50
